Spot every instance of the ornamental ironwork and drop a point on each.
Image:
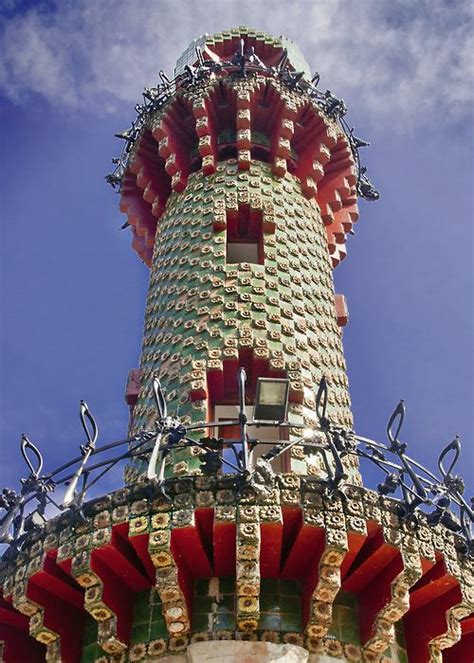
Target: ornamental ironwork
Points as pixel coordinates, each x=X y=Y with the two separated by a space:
x=243 y=64
x=419 y=494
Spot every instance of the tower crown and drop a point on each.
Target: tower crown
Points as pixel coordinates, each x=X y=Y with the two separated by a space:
x=220 y=47
x=244 y=95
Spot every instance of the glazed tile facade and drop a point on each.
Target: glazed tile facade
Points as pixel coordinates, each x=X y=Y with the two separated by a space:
x=202 y=311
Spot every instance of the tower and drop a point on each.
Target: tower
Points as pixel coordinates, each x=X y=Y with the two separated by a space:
x=244 y=528
x=240 y=193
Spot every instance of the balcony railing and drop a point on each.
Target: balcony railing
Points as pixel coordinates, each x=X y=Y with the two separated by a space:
x=420 y=494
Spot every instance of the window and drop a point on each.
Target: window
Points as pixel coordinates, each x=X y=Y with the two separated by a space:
x=244 y=236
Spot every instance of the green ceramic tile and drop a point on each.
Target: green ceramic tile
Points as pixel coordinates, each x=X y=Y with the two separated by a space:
x=155 y=599
x=226 y=604
x=350 y=633
x=344 y=614
x=157 y=618
x=227 y=585
x=156 y=612
x=290 y=587
x=203 y=604
x=269 y=603
x=290 y=622
x=158 y=630
x=223 y=622
x=400 y=635
x=200 y=622
x=140 y=633
x=91 y=653
x=333 y=632
x=141 y=612
x=345 y=621
x=269 y=622
x=269 y=586
x=290 y=604
x=346 y=599
x=201 y=587
x=90 y=631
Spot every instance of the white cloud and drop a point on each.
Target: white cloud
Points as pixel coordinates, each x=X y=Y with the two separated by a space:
x=408 y=61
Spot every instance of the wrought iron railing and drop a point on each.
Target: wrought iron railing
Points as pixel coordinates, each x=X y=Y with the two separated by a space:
x=244 y=63
x=417 y=490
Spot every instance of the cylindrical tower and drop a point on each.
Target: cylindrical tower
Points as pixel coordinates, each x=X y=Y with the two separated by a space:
x=240 y=192
x=243 y=531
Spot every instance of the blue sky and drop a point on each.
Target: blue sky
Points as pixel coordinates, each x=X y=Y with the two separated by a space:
x=73 y=291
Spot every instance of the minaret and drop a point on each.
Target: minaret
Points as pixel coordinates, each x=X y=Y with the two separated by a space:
x=244 y=531
x=240 y=193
